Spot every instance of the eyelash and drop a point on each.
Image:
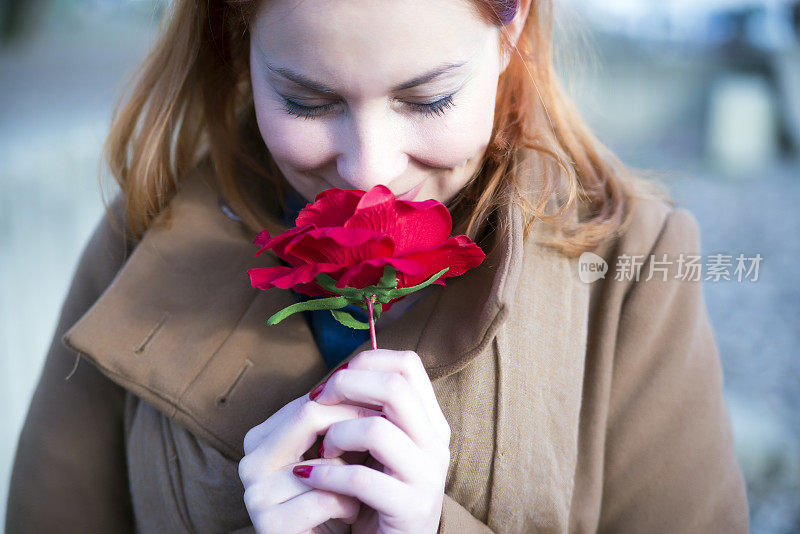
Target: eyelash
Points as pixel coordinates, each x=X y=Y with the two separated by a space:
x=311 y=112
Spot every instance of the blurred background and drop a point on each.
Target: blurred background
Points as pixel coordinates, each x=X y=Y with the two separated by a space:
x=704 y=95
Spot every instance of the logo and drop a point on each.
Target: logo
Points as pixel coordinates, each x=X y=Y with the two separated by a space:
x=591 y=267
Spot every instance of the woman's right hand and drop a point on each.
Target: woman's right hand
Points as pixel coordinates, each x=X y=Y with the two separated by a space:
x=277 y=500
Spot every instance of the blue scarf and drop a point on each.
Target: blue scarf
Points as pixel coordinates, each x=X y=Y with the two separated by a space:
x=334 y=340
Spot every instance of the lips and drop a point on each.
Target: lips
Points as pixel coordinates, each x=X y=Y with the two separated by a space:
x=411 y=194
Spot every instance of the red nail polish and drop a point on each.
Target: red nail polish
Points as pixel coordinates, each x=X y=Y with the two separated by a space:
x=341 y=367
x=320 y=449
x=316 y=391
x=303 y=471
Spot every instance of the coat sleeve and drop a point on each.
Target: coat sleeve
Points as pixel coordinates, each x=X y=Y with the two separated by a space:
x=69 y=474
x=669 y=459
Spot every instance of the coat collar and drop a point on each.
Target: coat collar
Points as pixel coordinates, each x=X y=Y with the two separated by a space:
x=181 y=327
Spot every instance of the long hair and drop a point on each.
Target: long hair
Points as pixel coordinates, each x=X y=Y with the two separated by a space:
x=191 y=103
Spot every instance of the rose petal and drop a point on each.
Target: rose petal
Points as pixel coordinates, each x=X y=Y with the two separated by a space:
x=410 y=225
x=420 y=226
x=344 y=246
x=262 y=238
x=279 y=242
x=380 y=194
x=262 y=277
x=305 y=274
x=332 y=207
x=336 y=191
x=369 y=272
x=301 y=279
x=458 y=253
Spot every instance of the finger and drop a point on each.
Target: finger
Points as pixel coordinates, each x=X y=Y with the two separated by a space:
x=385 y=442
x=409 y=364
x=258 y=432
x=285 y=444
x=382 y=492
x=287 y=414
x=389 y=390
x=279 y=486
x=305 y=512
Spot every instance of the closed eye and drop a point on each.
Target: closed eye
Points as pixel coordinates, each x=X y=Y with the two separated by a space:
x=310 y=112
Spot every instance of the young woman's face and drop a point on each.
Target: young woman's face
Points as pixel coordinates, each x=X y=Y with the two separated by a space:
x=352 y=94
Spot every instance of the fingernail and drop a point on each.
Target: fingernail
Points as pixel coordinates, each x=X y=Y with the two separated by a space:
x=303 y=471
x=384 y=416
x=341 y=367
x=320 y=449
x=316 y=391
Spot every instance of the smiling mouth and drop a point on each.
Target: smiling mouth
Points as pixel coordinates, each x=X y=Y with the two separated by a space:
x=410 y=195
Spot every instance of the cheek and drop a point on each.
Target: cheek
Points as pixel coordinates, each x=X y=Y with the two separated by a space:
x=465 y=130
x=296 y=143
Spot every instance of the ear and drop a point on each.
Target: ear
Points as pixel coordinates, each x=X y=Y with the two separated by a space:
x=514 y=29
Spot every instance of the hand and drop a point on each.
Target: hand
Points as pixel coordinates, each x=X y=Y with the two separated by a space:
x=277 y=500
x=403 y=488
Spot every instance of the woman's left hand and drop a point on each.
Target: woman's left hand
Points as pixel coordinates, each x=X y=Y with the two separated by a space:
x=410 y=443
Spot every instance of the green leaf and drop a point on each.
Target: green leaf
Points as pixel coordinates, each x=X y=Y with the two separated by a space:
x=348 y=320
x=406 y=290
x=388 y=281
x=389 y=278
x=329 y=284
x=326 y=282
x=384 y=291
x=329 y=303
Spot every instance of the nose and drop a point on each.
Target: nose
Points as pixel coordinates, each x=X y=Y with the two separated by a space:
x=372 y=151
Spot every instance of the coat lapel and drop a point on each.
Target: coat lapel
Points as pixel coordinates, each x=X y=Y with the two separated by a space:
x=181 y=327
x=540 y=372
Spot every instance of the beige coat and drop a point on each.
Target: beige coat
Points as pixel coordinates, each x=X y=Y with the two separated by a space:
x=574 y=407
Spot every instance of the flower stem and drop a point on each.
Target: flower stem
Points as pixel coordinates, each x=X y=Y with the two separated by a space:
x=370 y=302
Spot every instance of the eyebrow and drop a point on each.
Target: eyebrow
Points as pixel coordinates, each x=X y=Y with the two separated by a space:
x=322 y=88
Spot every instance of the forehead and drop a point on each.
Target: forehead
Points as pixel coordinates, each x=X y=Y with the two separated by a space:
x=349 y=41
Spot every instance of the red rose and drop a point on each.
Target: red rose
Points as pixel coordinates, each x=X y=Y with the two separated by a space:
x=351 y=235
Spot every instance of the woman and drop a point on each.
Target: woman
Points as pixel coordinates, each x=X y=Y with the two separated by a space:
x=519 y=399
